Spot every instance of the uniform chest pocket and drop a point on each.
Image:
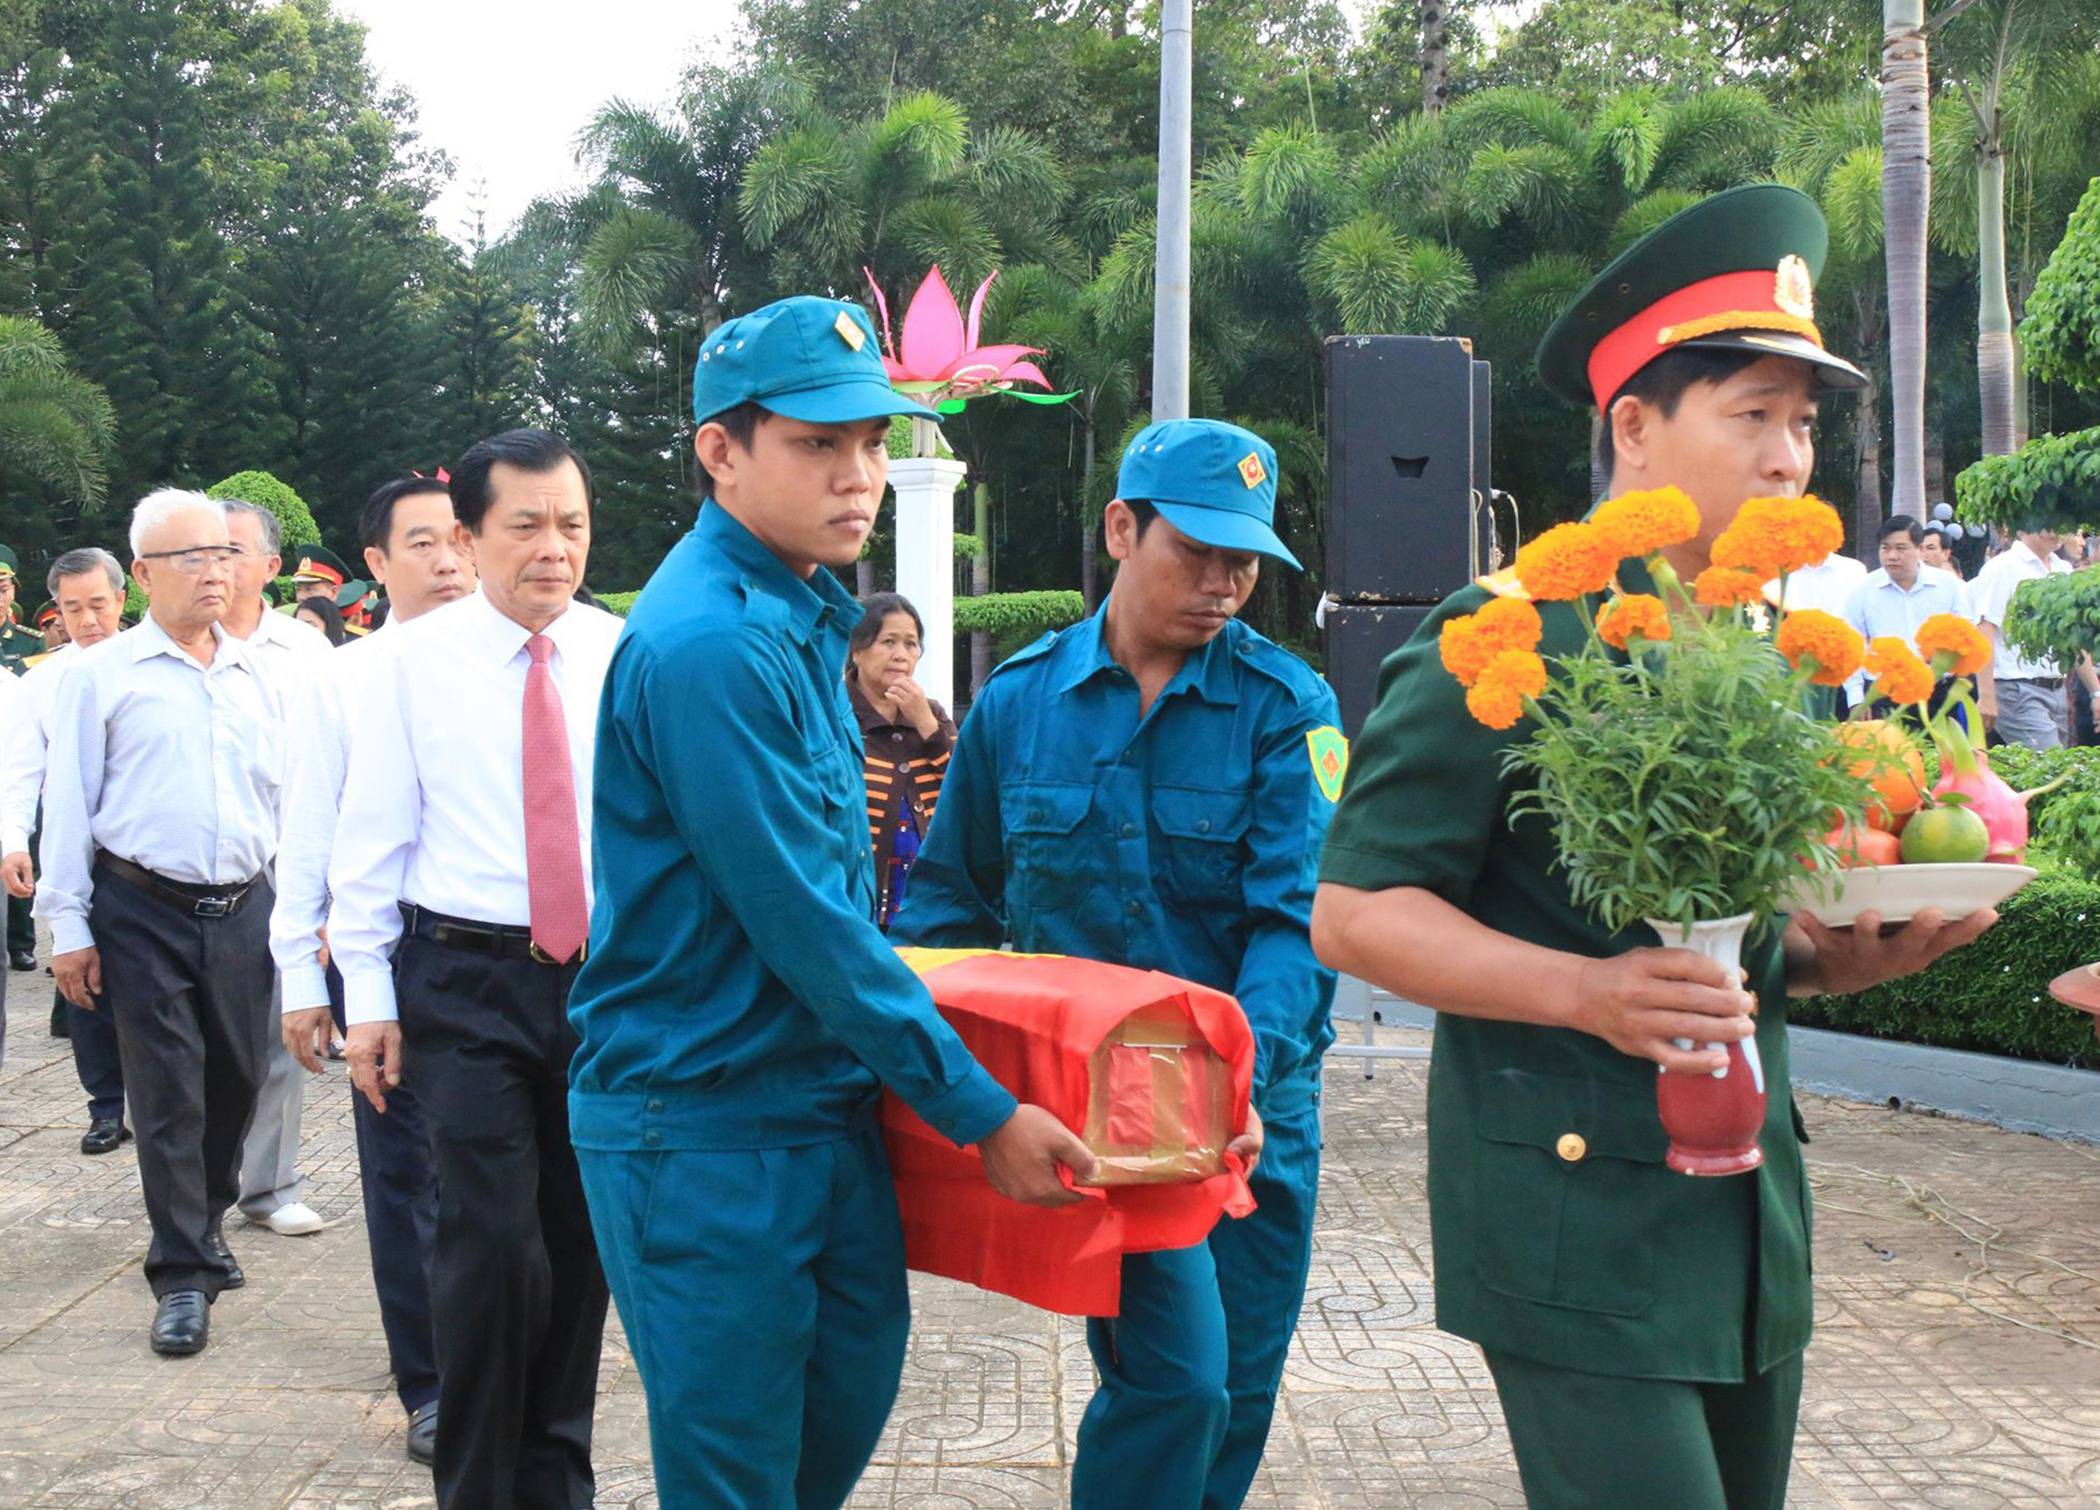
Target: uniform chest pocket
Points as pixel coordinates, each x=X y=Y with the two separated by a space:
x=1202 y=832
x=842 y=784
x=1570 y=1187
x=1046 y=865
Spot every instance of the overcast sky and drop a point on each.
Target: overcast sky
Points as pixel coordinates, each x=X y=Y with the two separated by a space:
x=504 y=89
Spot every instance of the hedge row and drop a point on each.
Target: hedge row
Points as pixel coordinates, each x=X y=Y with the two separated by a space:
x=1993 y=996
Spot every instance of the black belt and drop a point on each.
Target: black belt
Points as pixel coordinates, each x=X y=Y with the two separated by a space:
x=2049 y=683
x=211 y=901
x=496 y=940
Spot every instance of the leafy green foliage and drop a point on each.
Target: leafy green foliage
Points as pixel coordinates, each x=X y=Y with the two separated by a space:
x=2052 y=483
x=2060 y=335
x=1018 y=615
x=2055 y=618
x=56 y=428
x=618 y=602
x=1685 y=783
x=294 y=518
x=1992 y=996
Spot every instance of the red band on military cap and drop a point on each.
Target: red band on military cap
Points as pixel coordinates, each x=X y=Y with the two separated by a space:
x=1732 y=301
x=314 y=571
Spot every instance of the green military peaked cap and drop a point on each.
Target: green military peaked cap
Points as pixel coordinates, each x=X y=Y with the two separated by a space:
x=1737 y=270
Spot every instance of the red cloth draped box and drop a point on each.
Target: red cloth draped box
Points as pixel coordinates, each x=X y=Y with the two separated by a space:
x=1152 y=1071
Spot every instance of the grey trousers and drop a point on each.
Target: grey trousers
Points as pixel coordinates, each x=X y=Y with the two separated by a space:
x=270 y=1177
x=2031 y=714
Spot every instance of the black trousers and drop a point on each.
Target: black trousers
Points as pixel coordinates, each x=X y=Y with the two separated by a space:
x=399 y=1182
x=191 y=1000
x=21 y=925
x=519 y=1298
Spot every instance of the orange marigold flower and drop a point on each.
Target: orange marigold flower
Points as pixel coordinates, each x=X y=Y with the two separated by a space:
x=1951 y=635
x=1633 y=615
x=1835 y=647
x=1773 y=536
x=1568 y=561
x=1494 y=704
x=1719 y=587
x=1519 y=670
x=1467 y=644
x=1898 y=674
x=1642 y=523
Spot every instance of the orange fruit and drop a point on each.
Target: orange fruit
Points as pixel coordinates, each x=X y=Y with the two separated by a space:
x=1866 y=846
x=1894 y=766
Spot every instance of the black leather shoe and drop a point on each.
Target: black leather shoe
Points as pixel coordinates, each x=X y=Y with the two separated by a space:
x=423 y=1434
x=22 y=959
x=104 y=1134
x=234 y=1277
x=182 y=1325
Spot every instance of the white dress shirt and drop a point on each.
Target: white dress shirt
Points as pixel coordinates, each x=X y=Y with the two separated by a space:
x=287 y=653
x=25 y=733
x=1879 y=607
x=162 y=761
x=433 y=807
x=323 y=719
x=11 y=721
x=1994 y=588
x=1825 y=586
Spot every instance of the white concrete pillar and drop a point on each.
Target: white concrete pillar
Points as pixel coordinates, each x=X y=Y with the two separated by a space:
x=926 y=560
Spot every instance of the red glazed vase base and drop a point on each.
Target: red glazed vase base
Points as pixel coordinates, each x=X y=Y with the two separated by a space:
x=1707 y=1162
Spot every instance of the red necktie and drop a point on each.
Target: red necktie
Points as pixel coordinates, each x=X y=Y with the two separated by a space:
x=561 y=915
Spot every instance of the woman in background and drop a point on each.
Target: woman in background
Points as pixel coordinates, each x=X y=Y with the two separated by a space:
x=905 y=737
x=324 y=616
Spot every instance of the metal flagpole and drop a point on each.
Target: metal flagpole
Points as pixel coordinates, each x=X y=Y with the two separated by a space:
x=1170 y=294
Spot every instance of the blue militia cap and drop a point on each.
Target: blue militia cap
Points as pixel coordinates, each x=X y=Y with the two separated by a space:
x=816 y=360
x=1214 y=482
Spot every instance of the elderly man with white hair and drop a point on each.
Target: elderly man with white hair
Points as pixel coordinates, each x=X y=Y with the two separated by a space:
x=88 y=587
x=160 y=820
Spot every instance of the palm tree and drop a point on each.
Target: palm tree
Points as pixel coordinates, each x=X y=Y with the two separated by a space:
x=1906 y=151
x=57 y=429
x=898 y=193
x=2015 y=51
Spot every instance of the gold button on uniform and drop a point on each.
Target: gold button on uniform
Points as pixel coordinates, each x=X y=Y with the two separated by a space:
x=1571 y=1147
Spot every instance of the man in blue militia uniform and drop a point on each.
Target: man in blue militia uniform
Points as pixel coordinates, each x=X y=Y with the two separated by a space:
x=1151 y=787
x=739 y=1010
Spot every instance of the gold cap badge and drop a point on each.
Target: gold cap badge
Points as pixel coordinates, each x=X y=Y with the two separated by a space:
x=1793 y=290
x=1252 y=472
x=849 y=331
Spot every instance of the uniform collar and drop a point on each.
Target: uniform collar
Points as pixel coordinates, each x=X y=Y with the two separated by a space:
x=1206 y=672
x=810 y=601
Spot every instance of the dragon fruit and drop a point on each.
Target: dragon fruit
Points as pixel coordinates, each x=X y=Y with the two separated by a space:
x=1966 y=775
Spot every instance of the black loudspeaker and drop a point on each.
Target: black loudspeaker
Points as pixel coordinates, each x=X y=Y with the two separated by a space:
x=1359 y=638
x=1408 y=425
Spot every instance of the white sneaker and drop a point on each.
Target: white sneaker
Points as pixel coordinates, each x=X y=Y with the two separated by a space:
x=295 y=1220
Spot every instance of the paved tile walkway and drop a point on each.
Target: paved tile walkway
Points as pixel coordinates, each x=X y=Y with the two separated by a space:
x=1957 y=1360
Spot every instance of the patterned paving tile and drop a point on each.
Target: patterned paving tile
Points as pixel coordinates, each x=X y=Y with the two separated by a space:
x=1957 y=1361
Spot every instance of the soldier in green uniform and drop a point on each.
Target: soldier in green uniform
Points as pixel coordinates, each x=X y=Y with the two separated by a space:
x=1645 y=1329
x=17 y=642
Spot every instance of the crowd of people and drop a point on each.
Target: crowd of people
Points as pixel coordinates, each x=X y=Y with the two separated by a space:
x=602 y=917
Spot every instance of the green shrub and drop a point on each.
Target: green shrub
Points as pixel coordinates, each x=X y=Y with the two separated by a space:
x=294 y=519
x=1018 y=614
x=2051 y=483
x=618 y=602
x=1992 y=997
x=2055 y=618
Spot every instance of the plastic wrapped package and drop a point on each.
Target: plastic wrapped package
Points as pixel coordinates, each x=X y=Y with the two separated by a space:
x=1152 y=1071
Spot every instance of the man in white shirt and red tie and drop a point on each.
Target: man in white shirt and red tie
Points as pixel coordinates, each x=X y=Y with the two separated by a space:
x=461 y=881
x=286 y=654
x=88 y=587
x=413 y=551
x=160 y=819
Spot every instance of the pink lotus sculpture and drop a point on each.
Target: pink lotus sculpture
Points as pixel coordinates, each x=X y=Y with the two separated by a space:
x=937 y=359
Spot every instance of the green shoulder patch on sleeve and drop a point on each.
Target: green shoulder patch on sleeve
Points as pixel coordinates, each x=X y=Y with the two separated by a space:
x=1330 y=759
